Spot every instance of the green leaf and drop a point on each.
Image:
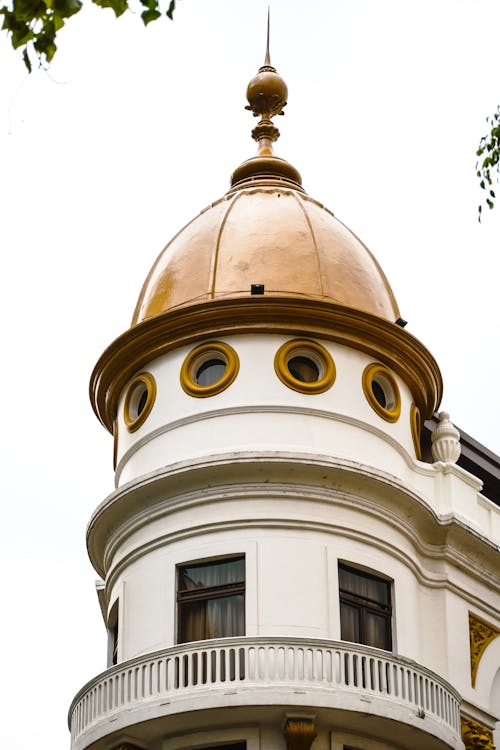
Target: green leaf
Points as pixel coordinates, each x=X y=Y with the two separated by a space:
x=45 y=45
x=27 y=10
x=26 y=59
x=482 y=185
x=490 y=203
x=22 y=34
x=150 y=15
x=67 y=8
x=119 y=6
x=170 y=10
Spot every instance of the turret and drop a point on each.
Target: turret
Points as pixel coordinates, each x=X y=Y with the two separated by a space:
x=279 y=567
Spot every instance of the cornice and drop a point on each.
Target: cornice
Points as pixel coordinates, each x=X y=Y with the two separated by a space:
x=156 y=496
x=383 y=340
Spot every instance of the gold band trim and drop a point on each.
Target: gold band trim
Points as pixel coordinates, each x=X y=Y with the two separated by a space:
x=195 y=359
x=416 y=428
x=376 y=373
x=377 y=337
x=317 y=353
x=134 y=421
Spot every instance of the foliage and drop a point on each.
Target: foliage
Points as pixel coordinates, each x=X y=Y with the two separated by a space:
x=33 y=24
x=489 y=150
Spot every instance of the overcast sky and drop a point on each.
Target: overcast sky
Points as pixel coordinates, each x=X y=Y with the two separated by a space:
x=128 y=136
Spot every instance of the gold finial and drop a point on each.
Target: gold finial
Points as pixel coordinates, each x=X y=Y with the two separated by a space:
x=267 y=95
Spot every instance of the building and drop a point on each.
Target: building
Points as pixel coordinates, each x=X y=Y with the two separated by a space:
x=289 y=560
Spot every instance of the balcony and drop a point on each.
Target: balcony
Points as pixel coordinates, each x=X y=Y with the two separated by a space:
x=334 y=678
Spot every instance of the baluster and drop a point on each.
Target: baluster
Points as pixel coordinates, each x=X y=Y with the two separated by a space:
x=280 y=663
x=261 y=663
x=271 y=662
x=252 y=663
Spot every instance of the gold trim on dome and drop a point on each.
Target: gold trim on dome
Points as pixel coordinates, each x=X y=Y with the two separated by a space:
x=376 y=373
x=416 y=428
x=202 y=354
x=475 y=736
x=134 y=421
x=481 y=634
x=284 y=316
x=312 y=350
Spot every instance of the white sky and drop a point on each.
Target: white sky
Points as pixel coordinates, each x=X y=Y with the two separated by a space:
x=129 y=135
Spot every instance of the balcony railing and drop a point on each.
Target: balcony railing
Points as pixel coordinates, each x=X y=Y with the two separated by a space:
x=263 y=663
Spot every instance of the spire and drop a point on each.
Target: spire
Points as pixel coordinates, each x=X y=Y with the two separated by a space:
x=267 y=61
x=267 y=95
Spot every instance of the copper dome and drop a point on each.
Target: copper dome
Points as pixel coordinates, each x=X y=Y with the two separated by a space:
x=272 y=235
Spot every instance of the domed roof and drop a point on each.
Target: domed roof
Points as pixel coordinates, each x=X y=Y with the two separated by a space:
x=272 y=233
x=266 y=231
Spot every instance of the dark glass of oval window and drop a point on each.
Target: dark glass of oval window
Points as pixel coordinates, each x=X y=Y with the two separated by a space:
x=379 y=394
x=142 y=401
x=210 y=372
x=303 y=369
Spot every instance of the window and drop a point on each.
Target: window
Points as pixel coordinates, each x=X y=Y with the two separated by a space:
x=365 y=608
x=113 y=635
x=139 y=400
x=305 y=366
x=211 y=599
x=382 y=392
x=209 y=369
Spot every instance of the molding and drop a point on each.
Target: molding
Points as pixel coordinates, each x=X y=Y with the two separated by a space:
x=481 y=634
x=379 y=338
x=424 y=469
x=475 y=736
x=185 y=485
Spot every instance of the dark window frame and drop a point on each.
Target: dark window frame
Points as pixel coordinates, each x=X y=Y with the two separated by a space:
x=366 y=605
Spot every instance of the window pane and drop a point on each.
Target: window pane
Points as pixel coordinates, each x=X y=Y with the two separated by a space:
x=349 y=623
x=219 y=573
x=210 y=372
x=304 y=369
x=377 y=631
x=213 y=618
x=365 y=608
x=363 y=585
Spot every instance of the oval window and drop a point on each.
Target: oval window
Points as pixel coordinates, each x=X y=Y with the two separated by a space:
x=139 y=400
x=209 y=369
x=305 y=366
x=382 y=392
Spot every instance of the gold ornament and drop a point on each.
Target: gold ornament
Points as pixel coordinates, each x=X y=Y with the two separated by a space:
x=299 y=734
x=475 y=736
x=480 y=634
